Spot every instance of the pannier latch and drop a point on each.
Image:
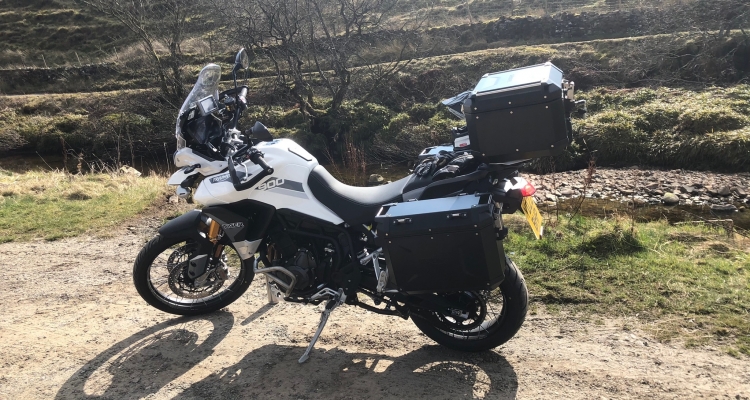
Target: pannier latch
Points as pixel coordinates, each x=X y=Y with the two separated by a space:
x=402 y=221
x=457 y=215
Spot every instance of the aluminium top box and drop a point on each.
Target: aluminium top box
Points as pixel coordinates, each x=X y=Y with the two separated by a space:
x=519 y=114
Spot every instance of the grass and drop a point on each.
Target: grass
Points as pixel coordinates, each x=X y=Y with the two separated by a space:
x=689 y=282
x=674 y=128
x=53 y=205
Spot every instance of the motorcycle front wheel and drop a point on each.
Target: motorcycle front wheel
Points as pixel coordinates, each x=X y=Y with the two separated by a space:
x=491 y=317
x=160 y=276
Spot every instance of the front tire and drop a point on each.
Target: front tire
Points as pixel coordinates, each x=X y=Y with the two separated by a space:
x=158 y=281
x=494 y=330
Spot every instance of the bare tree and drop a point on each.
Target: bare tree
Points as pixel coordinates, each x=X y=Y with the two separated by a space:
x=324 y=43
x=154 y=22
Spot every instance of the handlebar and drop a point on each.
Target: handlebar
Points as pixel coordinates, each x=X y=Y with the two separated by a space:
x=257 y=158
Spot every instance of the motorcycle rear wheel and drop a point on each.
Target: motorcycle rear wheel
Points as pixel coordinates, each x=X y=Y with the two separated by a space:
x=158 y=278
x=498 y=324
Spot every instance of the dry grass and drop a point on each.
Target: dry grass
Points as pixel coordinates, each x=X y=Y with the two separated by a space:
x=53 y=204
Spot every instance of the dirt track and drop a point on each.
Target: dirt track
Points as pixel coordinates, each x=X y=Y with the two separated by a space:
x=74 y=327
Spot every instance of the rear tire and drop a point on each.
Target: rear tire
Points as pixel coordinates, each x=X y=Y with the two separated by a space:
x=162 y=300
x=493 y=333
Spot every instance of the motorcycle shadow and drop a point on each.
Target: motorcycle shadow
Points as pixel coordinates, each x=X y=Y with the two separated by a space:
x=148 y=361
x=145 y=362
x=431 y=372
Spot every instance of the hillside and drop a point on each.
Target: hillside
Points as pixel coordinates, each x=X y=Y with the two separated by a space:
x=54 y=33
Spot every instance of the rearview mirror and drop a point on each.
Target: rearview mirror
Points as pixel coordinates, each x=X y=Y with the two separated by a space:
x=261 y=133
x=242 y=61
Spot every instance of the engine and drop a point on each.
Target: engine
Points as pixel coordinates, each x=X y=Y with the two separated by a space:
x=284 y=252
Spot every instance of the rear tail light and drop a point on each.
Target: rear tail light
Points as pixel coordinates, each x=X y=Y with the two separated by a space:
x=528 y=190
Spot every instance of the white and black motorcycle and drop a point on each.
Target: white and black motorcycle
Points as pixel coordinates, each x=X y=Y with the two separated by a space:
x=427 y=247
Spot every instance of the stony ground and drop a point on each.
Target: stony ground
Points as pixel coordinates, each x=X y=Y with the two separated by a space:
x=73 y=327
x=721 y=192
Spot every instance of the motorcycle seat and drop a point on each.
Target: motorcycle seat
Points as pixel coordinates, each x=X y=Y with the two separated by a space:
x=355 y=205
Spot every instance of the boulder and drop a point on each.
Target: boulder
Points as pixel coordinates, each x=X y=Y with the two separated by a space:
x=670 y=199
x=723 y=207
x=567 y=192
x=128 y=170
x=375 y=180
x=739 y=192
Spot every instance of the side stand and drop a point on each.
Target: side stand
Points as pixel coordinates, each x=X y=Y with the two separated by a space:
x=336 y=301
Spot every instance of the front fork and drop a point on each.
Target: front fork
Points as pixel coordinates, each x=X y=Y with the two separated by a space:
x=199 y=266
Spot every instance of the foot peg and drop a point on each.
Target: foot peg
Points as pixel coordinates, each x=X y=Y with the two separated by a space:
x=336 y=301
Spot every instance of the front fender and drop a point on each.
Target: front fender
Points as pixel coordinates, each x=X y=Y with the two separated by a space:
x=188 y=222
x=233 y=225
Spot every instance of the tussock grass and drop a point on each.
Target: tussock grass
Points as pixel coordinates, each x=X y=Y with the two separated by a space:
x=676 y=128
x=689 y=282
x=52 y=204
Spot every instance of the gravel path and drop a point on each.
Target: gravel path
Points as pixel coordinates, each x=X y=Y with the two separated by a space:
x=73 y=327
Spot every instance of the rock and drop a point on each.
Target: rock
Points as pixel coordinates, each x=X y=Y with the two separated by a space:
x=657 y=192
x=722 y=191
x=551 y=197
x=375 y=180
x=174 y=199
x=670 y=199
x=567 y=192
x=639 y=201
x=128 y=170
x=739 y=192
x=723 y=207
x=742 y=208
x=626 y=192
x=652 y=185
x=690 y=190
x=684 y=196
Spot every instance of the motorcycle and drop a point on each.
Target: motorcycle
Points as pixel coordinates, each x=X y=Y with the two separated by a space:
x=427 y=247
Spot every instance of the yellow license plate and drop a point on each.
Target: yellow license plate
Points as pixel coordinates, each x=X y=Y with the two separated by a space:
x=530 y=210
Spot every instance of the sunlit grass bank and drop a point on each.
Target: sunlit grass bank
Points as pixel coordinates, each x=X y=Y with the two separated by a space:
x=683 y=281
x=52 y=204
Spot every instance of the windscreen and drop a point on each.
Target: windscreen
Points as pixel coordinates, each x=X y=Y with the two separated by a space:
x=207 y=85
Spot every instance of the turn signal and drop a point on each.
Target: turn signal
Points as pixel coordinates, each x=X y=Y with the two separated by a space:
x=528 y=190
